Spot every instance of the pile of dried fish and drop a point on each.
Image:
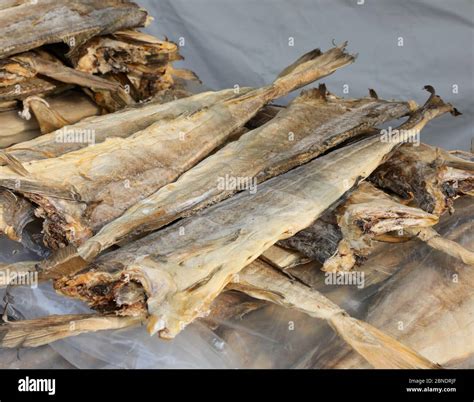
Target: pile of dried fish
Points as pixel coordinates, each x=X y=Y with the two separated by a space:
x=217 y=195
x=49 y=50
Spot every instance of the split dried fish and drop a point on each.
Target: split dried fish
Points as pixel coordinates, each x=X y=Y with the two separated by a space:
x=71 y=106
x=182 y=273
x=314 y=122
x=139 y=62
x=258 y=280
x=39 y=62
x=41 y=331
x=112 y=176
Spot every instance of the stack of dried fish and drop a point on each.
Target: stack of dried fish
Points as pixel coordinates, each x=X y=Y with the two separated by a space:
x=196 y=202
x=50 y=50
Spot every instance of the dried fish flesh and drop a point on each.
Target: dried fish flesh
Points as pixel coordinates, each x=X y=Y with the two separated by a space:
x=369 y=215
x=426 y=305
x=15 y=213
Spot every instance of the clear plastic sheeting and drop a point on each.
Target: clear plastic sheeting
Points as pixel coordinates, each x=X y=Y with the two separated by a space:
x=271 y=336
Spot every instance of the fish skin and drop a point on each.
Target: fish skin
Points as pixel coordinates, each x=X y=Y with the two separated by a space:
x=112 y=176
x=182 y=274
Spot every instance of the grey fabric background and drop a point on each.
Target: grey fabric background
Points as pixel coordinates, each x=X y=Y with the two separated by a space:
x=246 y=42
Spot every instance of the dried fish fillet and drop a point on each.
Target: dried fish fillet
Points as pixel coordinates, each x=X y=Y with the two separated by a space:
x=63 y=21
x=112 y=176
x=314 y=122
x=183 y=267
x=432 y=177
x=39 y=62
x=45 y=330
x=140 y=62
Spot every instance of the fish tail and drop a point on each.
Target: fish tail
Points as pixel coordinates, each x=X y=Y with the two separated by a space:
x=378 y=348
x=44 y=330
x=311 y=67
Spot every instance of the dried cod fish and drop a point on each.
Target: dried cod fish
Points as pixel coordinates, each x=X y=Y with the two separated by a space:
x=56 y=22
x=140 y=62
x=119 y=124
x=314 y=122
x=128 y=122
x=183 y=267
x=45 y=330
x=432 y=177
x=101 y=182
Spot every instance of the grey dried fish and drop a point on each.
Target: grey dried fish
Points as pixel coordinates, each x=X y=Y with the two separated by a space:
x=112 y=176
x=56 y=22
x=427 y=305
x=262 y=282
x=314 y=122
